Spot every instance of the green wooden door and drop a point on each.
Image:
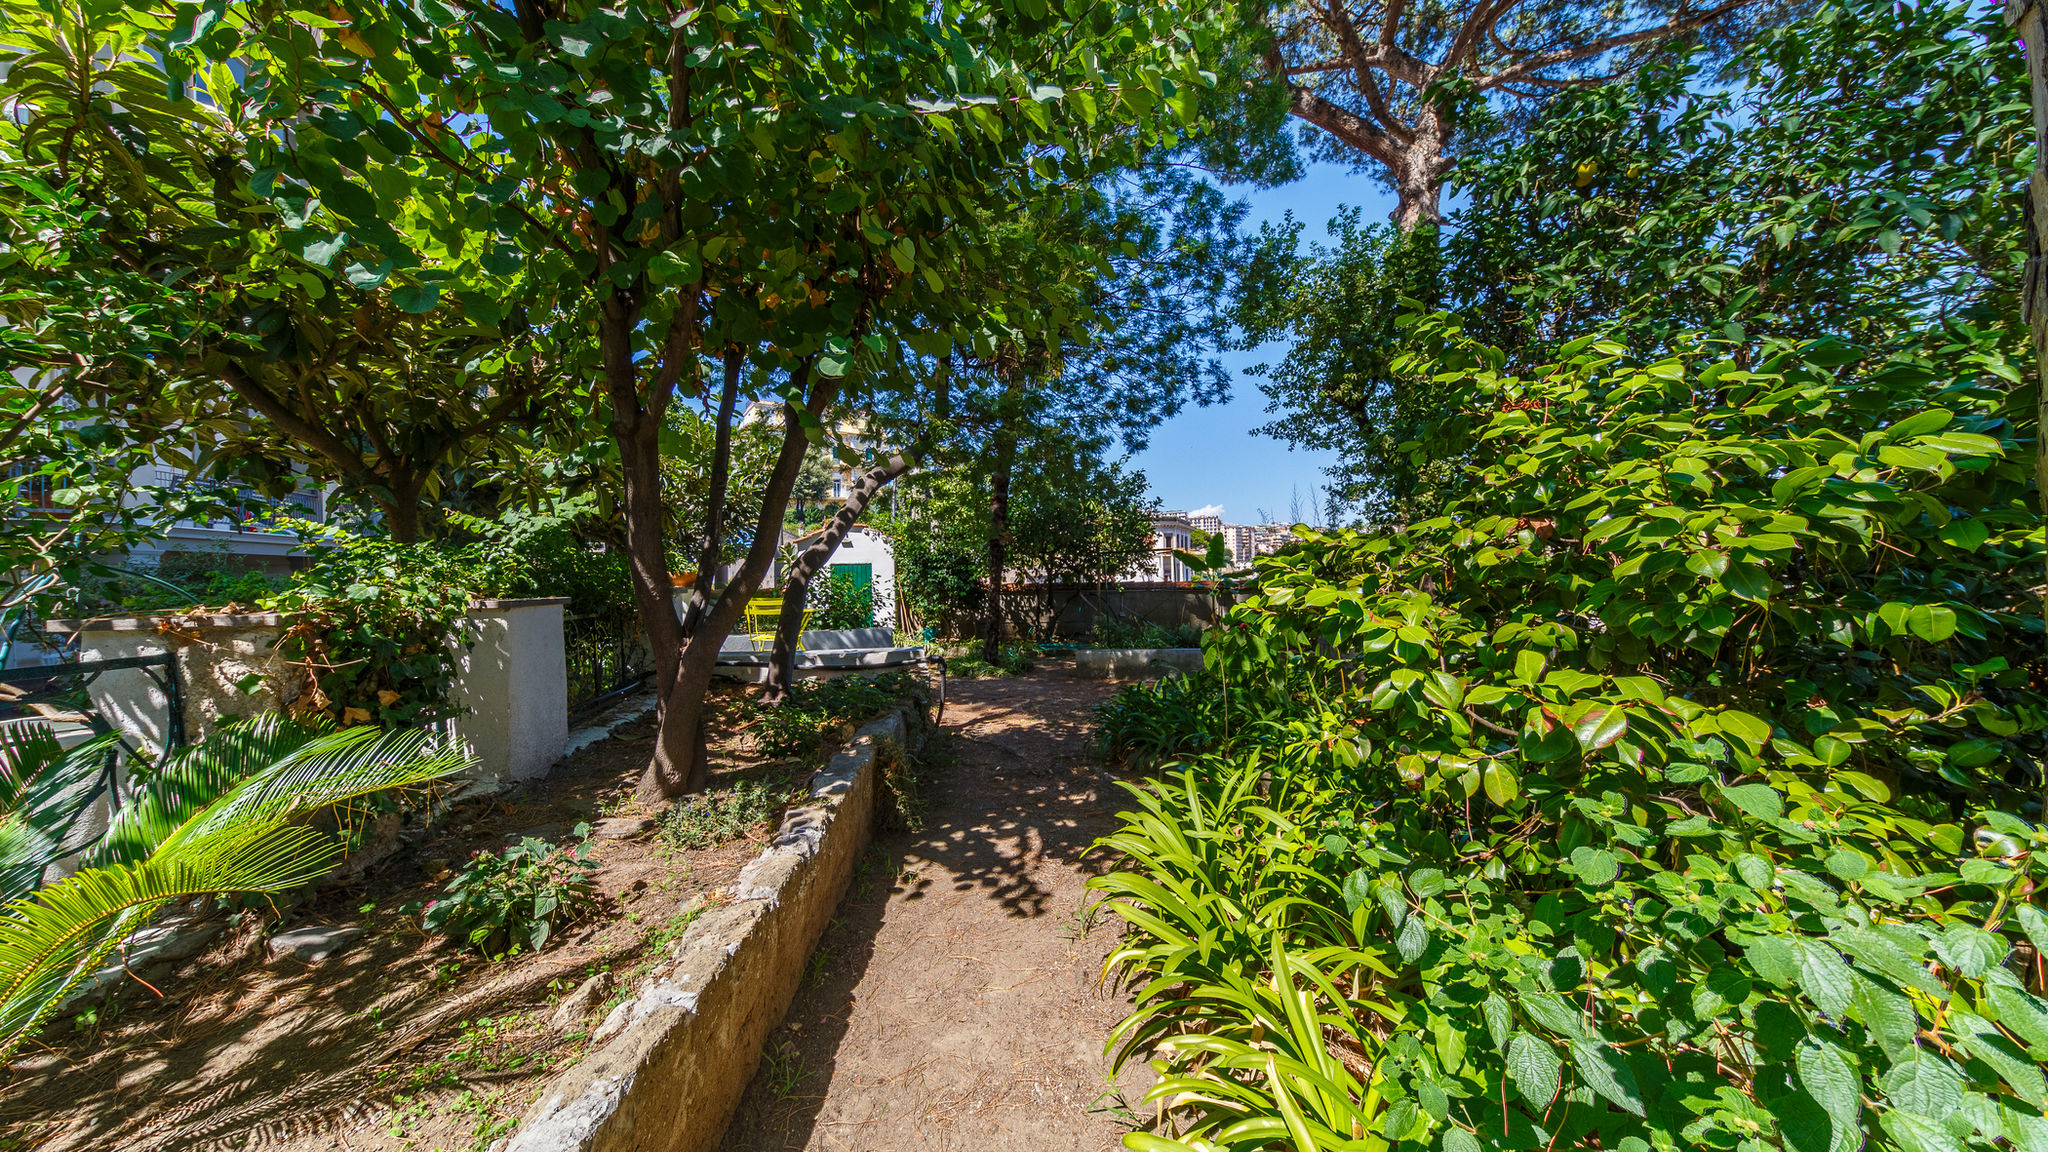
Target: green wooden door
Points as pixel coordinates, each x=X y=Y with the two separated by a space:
x=863 y=574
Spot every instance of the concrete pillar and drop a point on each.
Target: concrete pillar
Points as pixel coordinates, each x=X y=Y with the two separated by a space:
x=512 y=682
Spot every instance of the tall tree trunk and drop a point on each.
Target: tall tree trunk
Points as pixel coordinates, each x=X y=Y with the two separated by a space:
x=636 y=428
x=402 y=510
x=998 y=544
x=796 y=590
x=714 y=504
x=2032 y=22
x=679 y=764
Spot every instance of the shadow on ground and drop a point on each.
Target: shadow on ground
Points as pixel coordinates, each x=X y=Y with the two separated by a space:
x=955 y=1002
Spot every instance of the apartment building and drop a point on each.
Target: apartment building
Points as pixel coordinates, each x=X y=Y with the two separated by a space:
x=1170 y=531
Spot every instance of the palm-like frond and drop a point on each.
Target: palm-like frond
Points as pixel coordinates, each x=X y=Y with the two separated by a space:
x=219 y=817
x=51 y=941
x=328 y=770
x=191 y=778
x=45 y=792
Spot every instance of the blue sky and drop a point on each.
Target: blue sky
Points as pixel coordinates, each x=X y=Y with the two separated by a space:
x=1209 y=456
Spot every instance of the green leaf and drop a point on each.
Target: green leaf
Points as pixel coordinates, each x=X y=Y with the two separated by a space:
x=1534 y=1067
x=1600 y=727
x=1931 y=622
x=1758 y=800
x=1724 y=988
x=1755 y=871
x=365 y=277
x=1830 y=1080
x=1918 y=1134
x=2034 y=923
x=1553 y=1012
x=1848 y=864
x=1982 y=1039
x=1498 y=1019
x=1595 y=866
x=1825 y=977
x=323 y=252
x=1745 y=727
x=1426 y=882
x=1357 y=890
x=1969 y=535
x=1923 y=1083
x=1413 y=940
x=1969 y=950
x=1502 y=785
x=1605 y=1072
x=416 y=298
x=2022 y=1014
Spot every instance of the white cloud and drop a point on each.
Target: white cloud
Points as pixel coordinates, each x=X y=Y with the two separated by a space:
x=1215 y=510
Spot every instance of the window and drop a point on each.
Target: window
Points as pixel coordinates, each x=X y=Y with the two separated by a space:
x=34 y=491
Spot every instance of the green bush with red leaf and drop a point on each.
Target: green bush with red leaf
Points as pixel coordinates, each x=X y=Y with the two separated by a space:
x=1680 y=786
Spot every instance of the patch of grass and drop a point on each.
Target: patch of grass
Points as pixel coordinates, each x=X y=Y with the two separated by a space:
x=654 y=953
x=1011 y=660
x=488 y=1121
x=816 y=710
x=785 y=1069
x=815 y=967
x=728 y=814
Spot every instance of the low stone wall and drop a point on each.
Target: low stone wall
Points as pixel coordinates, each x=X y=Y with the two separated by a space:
x=1132 y=663
x=511 y=680
x=675 y=1059
x=1070 y=611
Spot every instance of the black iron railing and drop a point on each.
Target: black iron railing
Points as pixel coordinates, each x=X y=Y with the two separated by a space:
x=607 y=657
x=63 y=693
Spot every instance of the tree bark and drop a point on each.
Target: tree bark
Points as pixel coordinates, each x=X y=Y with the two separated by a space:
x=636 y=428
x=679 y=764
x=714 y=503
x=998 y=543
x=796 y=589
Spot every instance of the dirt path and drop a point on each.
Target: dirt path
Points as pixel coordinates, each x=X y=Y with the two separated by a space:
x=954 y=1004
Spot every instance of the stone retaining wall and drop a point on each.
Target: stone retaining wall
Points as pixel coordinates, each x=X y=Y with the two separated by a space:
x=1129 y=663
x=675 y=1058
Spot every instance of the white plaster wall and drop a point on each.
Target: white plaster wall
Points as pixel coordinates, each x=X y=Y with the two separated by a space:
x=512 y=682
x=217 y=658
x=864 y=545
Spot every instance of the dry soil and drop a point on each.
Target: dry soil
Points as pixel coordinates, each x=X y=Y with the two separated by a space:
x=956 y=1001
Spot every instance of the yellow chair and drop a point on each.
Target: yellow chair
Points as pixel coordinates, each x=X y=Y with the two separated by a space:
x=763 y=614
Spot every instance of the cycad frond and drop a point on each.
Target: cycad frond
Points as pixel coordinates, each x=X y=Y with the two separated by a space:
x=327 y=770
x=193 y=777
x=51 y=941
x=47 y=791
x=26 y=748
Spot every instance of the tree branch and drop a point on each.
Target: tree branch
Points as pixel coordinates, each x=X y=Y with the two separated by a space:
x=1347 y=126
x=1521 y=71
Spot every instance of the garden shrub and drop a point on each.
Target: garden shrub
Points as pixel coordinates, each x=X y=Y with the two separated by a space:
x=724 y=814
x=1011 y=660
x=375 y=624
x=839 y=601
x=372 y=625
x=818 y=711
x=503 y=903
x=1680 y=786
x=1113 y=633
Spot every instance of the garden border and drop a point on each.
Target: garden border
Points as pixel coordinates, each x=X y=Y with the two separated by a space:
x=1120 y=663
x=673 y=1061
